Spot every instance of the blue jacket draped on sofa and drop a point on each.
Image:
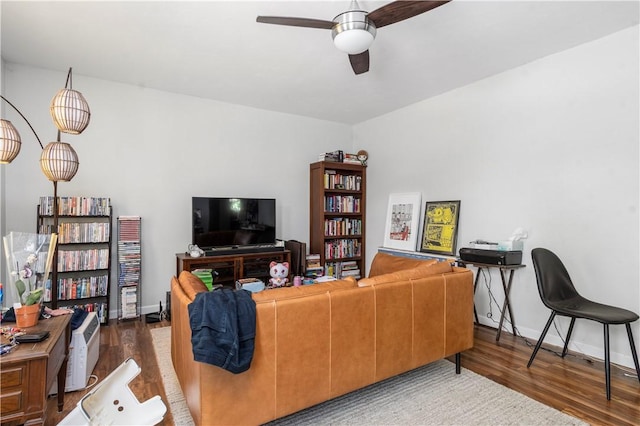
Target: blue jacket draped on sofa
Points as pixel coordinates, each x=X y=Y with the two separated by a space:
x=223 y=328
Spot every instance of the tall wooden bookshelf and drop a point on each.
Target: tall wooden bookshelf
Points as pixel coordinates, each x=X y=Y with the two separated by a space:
x=337 y=217
x=80 y=271
x=129 y=267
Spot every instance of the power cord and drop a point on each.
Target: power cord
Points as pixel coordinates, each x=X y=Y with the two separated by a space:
x=95 y=381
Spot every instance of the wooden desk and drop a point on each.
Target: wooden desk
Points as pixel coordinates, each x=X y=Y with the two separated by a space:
x=506 y=286
x=28 y=372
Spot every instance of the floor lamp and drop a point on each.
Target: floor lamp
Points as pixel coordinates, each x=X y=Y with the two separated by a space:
x=58 y=161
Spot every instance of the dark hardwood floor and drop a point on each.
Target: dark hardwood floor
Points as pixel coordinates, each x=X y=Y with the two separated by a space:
x=573 y=385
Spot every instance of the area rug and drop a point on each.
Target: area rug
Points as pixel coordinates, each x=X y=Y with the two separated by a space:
x=430 y=395
x=161 y=338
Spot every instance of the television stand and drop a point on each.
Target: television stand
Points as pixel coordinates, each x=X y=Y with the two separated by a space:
x=234 y=265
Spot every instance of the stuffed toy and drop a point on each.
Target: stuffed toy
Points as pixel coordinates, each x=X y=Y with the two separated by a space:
x=279 y=273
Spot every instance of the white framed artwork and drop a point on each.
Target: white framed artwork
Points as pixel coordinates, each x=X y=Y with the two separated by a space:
x=401 y=226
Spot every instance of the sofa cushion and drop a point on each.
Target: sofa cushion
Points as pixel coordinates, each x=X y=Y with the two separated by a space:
x=384 y=263
x=425 y=270
x=305 y=290
x=191 y=284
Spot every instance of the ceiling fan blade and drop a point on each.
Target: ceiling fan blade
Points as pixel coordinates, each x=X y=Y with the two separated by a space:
x=296 y=22
x=400 y=10
x=360 y=62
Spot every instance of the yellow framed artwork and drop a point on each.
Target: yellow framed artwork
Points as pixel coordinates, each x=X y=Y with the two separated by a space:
x=440 y=230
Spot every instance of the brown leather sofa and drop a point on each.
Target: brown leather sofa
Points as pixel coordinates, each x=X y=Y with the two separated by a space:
x=319 y=341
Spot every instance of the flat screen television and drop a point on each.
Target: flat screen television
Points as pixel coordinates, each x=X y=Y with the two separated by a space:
x=228 y=222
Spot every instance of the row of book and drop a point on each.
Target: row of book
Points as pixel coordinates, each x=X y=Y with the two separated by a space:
x=82 y=260
x=79 y=288
x=342 y=226
x=338 y=249
x=99 y=308
x=341 y=204
x=335 y=180
x=344 y=269
x=75 y=232
x=339 y=156
x=76 y=206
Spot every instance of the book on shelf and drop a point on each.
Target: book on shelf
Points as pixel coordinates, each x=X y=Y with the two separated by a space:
x=76 y=206
x=348 y=268
x=313 y=261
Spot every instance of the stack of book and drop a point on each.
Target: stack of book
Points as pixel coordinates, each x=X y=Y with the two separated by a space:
x=335 y=156
x=351 y=159
x=350 y=269
x=339 y=156
x=253 y=285
x=205 y=276
x=314 y=268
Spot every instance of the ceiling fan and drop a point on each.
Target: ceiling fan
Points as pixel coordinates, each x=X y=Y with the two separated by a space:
x=353 y=31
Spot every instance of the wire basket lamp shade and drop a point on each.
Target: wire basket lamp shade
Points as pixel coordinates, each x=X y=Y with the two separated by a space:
x=59 y=161
x=70 y=111
x=9 y=142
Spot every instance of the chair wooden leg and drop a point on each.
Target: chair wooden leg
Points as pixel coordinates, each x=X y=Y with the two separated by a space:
x=458 y=365
x=566 y=340
x=607 y=365
x=544 y=333
x=634 y=353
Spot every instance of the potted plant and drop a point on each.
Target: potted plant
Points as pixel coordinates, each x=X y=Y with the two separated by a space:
x=29 y=258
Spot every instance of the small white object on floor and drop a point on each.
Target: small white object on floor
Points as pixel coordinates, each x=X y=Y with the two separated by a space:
x=113 y=402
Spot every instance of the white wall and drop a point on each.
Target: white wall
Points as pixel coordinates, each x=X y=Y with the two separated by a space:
x=151 y=151
x=551 y=146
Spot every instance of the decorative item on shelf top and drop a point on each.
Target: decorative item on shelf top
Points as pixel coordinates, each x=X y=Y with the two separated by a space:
x=31 y=255
x=194 y=251
x=440 y=229
x=363 y=156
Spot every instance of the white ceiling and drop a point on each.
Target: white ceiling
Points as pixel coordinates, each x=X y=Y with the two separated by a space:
x=216 y=50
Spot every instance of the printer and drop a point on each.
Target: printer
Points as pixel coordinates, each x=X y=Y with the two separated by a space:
x=491 y=257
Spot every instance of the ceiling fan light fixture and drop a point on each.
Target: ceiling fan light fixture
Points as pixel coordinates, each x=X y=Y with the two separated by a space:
x=354 y=32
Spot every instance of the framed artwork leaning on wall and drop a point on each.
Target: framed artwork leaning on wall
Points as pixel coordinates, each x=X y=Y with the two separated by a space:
x=440 y=230
x=401 y=229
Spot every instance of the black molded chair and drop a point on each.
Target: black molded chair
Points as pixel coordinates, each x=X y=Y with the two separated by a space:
x=558 y=294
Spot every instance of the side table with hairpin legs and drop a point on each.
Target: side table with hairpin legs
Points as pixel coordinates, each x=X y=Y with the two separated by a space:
x=506 y=286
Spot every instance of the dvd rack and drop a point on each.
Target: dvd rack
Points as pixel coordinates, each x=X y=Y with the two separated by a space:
x=83 y=254
x=129 y=267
